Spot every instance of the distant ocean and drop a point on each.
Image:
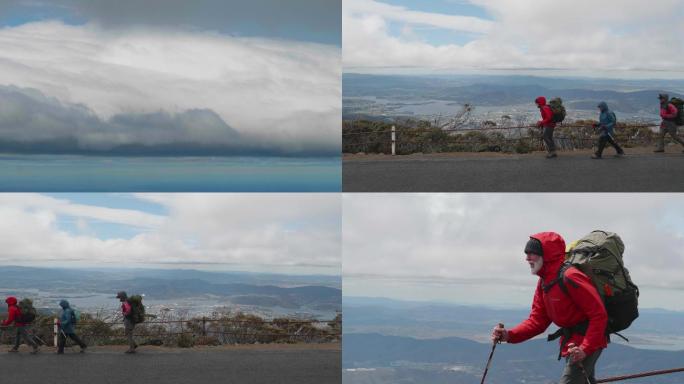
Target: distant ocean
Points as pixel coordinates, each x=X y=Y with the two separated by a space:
x=74 y=173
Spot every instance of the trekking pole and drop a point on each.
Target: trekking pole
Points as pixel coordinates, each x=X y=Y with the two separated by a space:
x=584 y=372
x=491 y=354
x=639 y=375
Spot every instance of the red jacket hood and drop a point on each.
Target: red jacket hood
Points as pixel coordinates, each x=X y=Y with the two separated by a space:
x=11 y=300
x=553 y=247
x=541 y=100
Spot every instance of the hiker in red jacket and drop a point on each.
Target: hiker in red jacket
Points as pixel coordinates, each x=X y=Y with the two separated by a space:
x=580 y=312
x=668 y=113
x=13 y=314
x=547 y=125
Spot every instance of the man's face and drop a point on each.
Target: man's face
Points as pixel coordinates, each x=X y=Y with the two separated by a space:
x=535 y=262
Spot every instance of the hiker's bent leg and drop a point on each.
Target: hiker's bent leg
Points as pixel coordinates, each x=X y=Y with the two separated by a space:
x=548 y=139
x=672 y=130
x=29 y=339
x=573 y=373
x=76 y=339
x=615 y=145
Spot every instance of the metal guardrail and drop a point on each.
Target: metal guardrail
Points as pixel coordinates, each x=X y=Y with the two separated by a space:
x=388 y=138
x=201 y=329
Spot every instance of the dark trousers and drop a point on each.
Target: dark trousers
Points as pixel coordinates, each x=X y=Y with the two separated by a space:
x=608 y=139
x=129 y=327
x=61 y=341
x=22 y=333
x=547 y=135
x=670 y=128
x=573 y=373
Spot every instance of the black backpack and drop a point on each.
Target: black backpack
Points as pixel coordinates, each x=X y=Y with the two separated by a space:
x=27 y=313
x=679 y=104
x=137 y=309
x=556 y=105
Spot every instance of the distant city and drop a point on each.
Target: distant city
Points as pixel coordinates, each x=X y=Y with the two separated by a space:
x=179 y=292
x=504 y=100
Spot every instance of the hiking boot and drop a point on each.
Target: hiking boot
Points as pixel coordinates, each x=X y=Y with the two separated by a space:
x=659 y=150
x=619 y=154
x=551 y=155
x=35 y=350
x=135 y=346
x=83 y=348
x=595 y=156
x=60 y=353
x=13 y=350
x=130 y=350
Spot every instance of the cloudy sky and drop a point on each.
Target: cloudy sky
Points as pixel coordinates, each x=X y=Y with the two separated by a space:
x=279 y=233
x=263 y=75
x=627 y=38
x=468 y=248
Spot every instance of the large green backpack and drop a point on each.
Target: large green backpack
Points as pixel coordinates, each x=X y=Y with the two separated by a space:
x=679 y=104
x=556 y=105
x=599 y=256
x=27 y=313
x=137 y=309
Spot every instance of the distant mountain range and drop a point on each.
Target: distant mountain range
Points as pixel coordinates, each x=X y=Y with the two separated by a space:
x=655 y=328
x=632 y=97
x=378 y=359
x=267 y=290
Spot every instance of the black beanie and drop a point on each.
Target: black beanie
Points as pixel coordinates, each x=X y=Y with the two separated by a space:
x=534 y=246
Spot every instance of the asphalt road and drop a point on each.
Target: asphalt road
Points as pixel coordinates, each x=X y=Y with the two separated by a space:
x=640 y=172
x=208 y=365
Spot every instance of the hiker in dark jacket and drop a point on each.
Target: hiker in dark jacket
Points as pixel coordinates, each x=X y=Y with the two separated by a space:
x=129 y=324
x=13 y=314
x=668 y=113
x=606 y=126
x=547 y=125
x=580 y=311
x=66 y=328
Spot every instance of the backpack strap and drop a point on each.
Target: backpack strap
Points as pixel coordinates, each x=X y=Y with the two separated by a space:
x=560 y=280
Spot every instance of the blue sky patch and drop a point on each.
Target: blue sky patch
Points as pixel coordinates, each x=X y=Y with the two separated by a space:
x=114 y=201
x=449 y=7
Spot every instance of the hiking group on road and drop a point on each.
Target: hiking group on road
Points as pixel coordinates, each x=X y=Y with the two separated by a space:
x=21 y=314
x=671 y=113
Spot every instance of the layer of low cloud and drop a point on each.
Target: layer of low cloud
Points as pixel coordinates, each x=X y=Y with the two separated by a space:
x=476 y=238
x=278 y=94
x=631 y=36
x=293 y=233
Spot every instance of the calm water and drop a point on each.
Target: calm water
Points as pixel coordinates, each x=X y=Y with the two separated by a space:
x=70 y=173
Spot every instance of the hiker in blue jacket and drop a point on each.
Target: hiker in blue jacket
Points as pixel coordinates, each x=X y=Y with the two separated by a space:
x=606 y=126
x=66 y=328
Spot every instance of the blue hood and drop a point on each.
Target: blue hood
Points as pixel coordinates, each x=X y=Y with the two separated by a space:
x=64 y=304
x=603 y=106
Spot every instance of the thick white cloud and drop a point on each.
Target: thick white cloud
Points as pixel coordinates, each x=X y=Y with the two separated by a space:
x=294 y=233
x=277 y=92
x=479 y=238
x=579 y=36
